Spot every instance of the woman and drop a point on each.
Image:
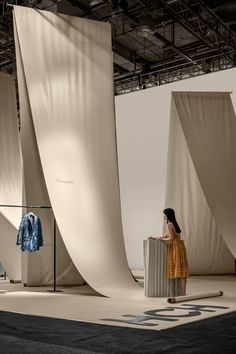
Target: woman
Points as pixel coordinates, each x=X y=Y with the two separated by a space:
x=177 y=257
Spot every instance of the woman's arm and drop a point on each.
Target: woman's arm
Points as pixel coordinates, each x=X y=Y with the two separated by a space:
x=162 y=237
x=169 y=235
x=170 y=231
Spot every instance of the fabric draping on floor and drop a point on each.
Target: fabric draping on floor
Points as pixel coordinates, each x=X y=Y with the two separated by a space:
x=10 y=177
x=68 y=74
x=194 y=188
x=37 y=268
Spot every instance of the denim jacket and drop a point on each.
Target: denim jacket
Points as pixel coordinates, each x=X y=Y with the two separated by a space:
x=30 y=235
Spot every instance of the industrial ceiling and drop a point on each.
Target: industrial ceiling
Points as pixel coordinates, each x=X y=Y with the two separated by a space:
x=154 y=42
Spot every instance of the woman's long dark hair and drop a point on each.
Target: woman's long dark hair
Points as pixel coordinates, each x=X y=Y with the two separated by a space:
x=170 y=213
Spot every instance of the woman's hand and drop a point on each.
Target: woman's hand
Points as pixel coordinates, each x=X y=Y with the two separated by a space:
x=163 y=237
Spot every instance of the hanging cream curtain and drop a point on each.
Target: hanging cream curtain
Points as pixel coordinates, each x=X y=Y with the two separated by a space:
x=209 y=125
x=187 y=190
x=37 y=267
x=68 y=74
x=10 y=177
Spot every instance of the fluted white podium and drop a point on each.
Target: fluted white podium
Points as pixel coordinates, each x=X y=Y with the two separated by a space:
x=156 y=283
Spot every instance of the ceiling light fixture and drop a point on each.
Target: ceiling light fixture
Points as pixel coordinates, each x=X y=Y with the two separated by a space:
x=145 y=27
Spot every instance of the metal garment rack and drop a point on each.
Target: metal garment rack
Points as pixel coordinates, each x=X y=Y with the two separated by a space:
x=55 y=290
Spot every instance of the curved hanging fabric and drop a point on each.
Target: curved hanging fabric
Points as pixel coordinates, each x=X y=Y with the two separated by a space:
x=37 y=267
x=10 y=177
x=207 y=251
x=209 y=125
x=68 y=72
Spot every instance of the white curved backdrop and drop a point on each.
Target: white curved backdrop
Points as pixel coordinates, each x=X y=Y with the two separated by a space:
x=10 y=178
x=68 y=72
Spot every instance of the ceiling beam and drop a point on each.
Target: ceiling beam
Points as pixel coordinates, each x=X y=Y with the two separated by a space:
x=120 y=69
x=85 y=8
x=127 y=54
x=181 y=21
x=220 y=4
x=231 y=22
x=5 y=62
x=191 y=28
x=173 y=63
x=172 y=46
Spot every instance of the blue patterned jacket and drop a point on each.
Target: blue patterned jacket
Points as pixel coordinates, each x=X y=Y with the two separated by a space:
x=30 y=235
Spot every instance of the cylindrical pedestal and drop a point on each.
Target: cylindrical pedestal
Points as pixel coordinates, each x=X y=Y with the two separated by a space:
x=156 y=283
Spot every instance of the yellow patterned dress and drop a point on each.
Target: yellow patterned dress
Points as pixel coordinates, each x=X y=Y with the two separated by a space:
x=177 y=258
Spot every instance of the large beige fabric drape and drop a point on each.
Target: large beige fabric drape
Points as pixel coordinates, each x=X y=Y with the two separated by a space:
x=68 y=74
x=37 y=268
x=187 y=190
x=209 y=125
x=10 y=178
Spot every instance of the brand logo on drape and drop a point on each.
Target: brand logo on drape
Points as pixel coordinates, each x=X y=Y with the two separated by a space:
x=64 y=181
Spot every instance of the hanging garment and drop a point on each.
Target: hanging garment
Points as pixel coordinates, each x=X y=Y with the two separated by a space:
x=30 y=235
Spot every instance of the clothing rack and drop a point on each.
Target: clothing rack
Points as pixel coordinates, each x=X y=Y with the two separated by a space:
x=55 y=290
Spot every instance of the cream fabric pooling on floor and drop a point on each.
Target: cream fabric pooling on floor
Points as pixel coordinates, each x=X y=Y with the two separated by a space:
x=69 y=78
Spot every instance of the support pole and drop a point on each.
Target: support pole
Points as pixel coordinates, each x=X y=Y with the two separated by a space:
x=54 y=255
x=55 y=290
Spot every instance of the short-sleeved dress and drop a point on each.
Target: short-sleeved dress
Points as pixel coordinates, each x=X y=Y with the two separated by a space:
x=177 y=258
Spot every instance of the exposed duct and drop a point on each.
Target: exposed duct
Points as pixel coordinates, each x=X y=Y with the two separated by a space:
x=93 y=3
x=145 y=27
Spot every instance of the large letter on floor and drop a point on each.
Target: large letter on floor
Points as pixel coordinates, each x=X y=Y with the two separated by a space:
x=68 y=72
